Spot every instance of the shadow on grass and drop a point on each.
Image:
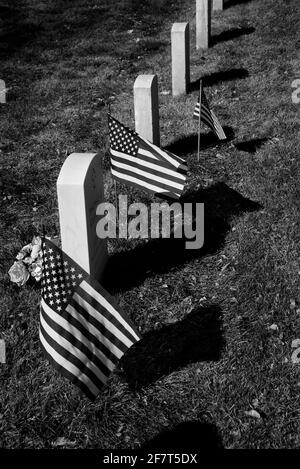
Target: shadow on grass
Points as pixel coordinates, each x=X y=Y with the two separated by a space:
x=192 y=435
x=231 y=3
x=187 y=145
x=196 y=338
x=15 y=31
x=251 y=146
x=231 y=34
x=127 y=269
x=219 y=77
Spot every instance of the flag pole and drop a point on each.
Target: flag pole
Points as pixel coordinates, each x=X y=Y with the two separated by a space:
x=115 y=182
x=199 y=120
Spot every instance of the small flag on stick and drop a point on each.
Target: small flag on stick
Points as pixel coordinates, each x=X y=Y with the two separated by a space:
x=140 y=163
x=81 y=331
x=208 y=117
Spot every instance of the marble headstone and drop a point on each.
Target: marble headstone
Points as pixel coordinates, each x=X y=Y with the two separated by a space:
x=80 y=190
x=146 y=110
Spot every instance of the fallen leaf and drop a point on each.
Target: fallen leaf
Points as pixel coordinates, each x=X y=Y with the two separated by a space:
x=295 y=343
x=61 y=441
x=252 y=413
x=255 y=403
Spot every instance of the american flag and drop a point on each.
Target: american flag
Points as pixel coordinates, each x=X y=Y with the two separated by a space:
x=208 y=117
x=81 y=331
x=142 y=164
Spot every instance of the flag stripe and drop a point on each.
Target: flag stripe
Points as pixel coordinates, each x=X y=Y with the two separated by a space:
x=98 y=315
x=142 y=162
x=174 y=160
x=208 y=117
x=73 y=354
x=54 y=358
x=219 y=129
x=90 y=334
x=146 y=153
x=75 y=309
x=152 y=174
x=67 y=361
x=141 y=183
x=107 y=299
x=74 y=336
x=148 y=177
x=110 y=312
x=144 y=179
x=170 y=181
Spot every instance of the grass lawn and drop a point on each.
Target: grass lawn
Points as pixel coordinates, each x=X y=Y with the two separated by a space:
x=208 y=355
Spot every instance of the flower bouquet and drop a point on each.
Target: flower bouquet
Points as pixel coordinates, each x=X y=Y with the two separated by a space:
x=29 y=263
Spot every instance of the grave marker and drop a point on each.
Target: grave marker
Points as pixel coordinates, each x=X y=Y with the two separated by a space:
x=203 y=23
x=146 y=111
x=2 y=351
x=2 y=92
x=180 y=48
x=218 y=5
x=80 y=190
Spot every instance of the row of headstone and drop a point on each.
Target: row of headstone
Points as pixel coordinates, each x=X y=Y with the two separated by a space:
x=80 y=186
x=180 y=43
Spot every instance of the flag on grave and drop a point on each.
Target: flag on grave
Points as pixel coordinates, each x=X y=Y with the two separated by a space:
x=208 y=117
x=81 y=331
x=140 y=163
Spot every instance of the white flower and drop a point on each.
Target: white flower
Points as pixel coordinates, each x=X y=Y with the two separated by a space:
x=24 y=252
x=30 y=252
x=36 y=270
x=29 y=262
x=18 y=273
x=20 y=256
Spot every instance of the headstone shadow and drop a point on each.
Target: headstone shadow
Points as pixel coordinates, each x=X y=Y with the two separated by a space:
x=126 y=269
x=196 y=338
x=219 y=77
x=251 y=146
x=231 y=34
x=231 y=3
x=189 y=144
x=14 y=30
x=193 y=435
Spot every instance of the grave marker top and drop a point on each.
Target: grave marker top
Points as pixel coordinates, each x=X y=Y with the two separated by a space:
x=180 y=48
x=80 y=190
x=146 y=107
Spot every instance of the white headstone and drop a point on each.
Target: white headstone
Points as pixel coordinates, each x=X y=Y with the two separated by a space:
x=203 y=23
x=146 y=110
x=218 y=4
x=180 y=48
x=80 y=190
x=2 y=92
x=2 y=351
